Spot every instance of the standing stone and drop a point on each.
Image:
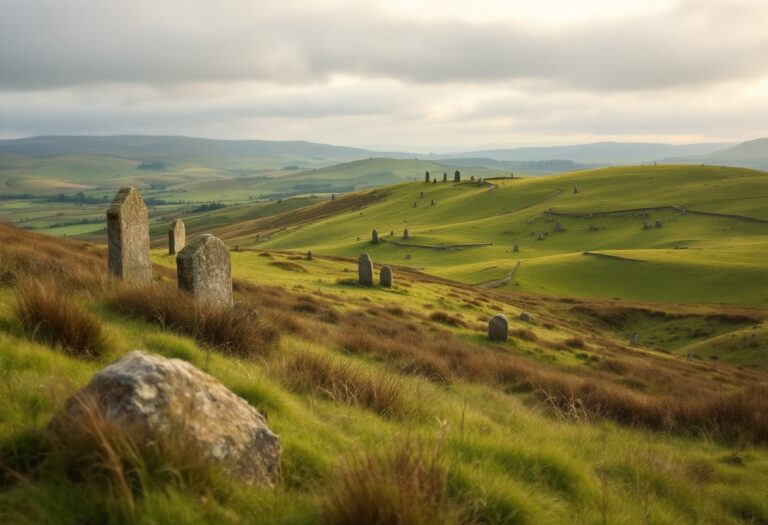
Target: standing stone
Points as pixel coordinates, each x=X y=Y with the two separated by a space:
x=558 y=226
x=498 y=328
x=309 y=255
x=204 y=269
x=426 y=177
x=575 y=189
x=541 y=237
x=659 y=224
x=472 y=178
x=634 y=340
x=433 y=202
x=177 y=237
x=171 y=403
x=128 y=237
x=374 y=236
x=391 y=233
x=445 y=177
x=526 y=317
x=385 y=276
x=421 y=194
x=333 y=196
x=434 y=181
x=515 y=248
x=405 y=234
x=414 y=204
x=457 y=176
x=365 y=270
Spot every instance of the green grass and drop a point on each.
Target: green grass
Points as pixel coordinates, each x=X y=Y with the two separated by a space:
x=721 y=260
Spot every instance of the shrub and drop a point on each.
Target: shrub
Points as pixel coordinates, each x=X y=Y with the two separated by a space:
x=234 y=330
x=401 y=486
x=447 y=319
x=50 y=317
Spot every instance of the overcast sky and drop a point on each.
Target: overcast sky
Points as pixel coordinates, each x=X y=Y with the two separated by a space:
x=429 y=75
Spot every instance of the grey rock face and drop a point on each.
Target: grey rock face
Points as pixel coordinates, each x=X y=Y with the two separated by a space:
x=177 y=237
x=374 y=236
x=128 y=237
x=204 y=269
x=365 y=270
x=385 y=276
x=169 y=399
x=498 y=328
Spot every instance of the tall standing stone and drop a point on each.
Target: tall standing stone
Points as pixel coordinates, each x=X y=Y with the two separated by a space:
x=365 y=270
x=385 y=276
x=498 y=328
x=309 y=255
x=457 y=176
x=177 y=237
x=128 y=237
x=333 y=196
x=405 y=234
x=445 y=177
x=204 y=269
x=374 y=236
x=426 y=177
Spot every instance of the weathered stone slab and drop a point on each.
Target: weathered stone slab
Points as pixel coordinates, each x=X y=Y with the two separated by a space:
x=128 y=237
x=171 y=401
x=204 y=269
x=498 y=328
x=365 y=270
x=457 y=176
x=385 y=276
x=177 y=237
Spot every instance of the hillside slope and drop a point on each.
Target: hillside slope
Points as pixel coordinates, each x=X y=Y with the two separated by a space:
x=387 y=401
x=703 y=250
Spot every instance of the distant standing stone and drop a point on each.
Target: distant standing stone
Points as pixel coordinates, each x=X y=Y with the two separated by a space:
x=414 y=204
x=576 y=189
x=421 y=194
x=515 y=248
x=445 y=177
x=541 y=236
x=333 y=196
x=498 y=328
x=365 y=270
x=408 y=256
x=634 y=340
x=659 y=224
x=385 y=276
x=433 y=202
x=374 y=236
x=472 y=178
x=309 y=255
x=391 y=233
x=128 y=237
x=177 y=237
x=558 y=226
x=526 y=317
x=457 y=176
x=405 y=234
x=426 y=177
x=204 y=269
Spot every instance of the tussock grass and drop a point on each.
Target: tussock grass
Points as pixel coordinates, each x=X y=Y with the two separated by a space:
x=237 y=330
x=49 y=316
x=343 y=382
x=404 y=485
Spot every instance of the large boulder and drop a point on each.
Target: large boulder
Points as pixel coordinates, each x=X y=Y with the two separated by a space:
x=204 y=269
x=168 y=399
x=498 y=328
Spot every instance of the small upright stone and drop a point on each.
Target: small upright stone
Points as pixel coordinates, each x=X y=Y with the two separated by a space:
x=445 y=177
x=426 y=177
x=515 y=248
x=375 y=236
x=177 y=237
x=128 y=237
x=421 y=194
x=204 y=269
x=558 y=226
x=365 y=270
x=457 y=176
x=498 y=328
x=405 y=234
x=385 y=276
x=391 y=233
x=309 y=255
x=333 y=196
x=634 y=340
x=526 y=317
x=414 y=204
x=659 y=224
x=433 y=202
x=575 y=189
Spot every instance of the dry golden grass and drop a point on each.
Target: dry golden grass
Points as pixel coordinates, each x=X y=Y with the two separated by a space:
x=48 y=315
x=403 y=486
x=237 y=330
x=342 y=382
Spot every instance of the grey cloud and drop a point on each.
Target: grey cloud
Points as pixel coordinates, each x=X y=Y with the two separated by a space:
x=49 y=43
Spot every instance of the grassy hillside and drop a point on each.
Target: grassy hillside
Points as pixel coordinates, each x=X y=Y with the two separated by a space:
x=692 y=257
x=391 y=402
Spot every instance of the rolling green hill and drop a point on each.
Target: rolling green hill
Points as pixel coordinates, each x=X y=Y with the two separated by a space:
x=693 y=257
